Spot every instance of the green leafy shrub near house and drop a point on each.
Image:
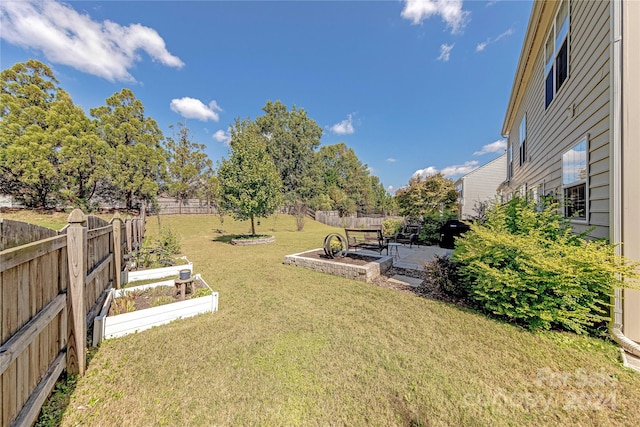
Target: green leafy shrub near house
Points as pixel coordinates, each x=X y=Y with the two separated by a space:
x=391 y=227
x=529 y=267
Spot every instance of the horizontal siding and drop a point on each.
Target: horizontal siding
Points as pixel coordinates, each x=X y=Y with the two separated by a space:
x=580 y=108
x=482 y=185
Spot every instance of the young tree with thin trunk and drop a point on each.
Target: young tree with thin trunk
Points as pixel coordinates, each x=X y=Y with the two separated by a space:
x=249 y=180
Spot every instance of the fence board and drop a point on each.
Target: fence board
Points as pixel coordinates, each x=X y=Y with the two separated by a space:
x=9 y=304
x=15 y=256
x=29 y=412
x=19 y=341
x=16 y=233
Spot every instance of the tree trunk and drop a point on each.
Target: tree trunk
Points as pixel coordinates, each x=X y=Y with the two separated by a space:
x=253 y=226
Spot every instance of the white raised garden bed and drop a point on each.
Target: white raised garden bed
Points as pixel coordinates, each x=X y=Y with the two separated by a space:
x=157 y=273
x=105 y=326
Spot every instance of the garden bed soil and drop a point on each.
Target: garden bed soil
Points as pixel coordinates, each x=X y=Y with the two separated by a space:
x=142 y=299
x=351 y=258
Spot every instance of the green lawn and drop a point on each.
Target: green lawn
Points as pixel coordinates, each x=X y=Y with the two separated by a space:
x=291 y=346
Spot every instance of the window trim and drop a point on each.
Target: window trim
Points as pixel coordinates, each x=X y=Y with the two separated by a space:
x=551 y=61
x=574 y=184
x=522 y=137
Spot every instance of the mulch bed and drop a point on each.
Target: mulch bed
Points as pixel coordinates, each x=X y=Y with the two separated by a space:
x=425 y=290
x=351 y=258
x=143 y=299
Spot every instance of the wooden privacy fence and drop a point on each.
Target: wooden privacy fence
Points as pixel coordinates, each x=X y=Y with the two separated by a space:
x=334 y=219
x=51 y=288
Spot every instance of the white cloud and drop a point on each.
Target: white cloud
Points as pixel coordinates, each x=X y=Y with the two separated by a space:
x=191 y=108
x=445 y=52
x=495 y=147
x=449 y=171
x=392 y=160
x=223 y=136
x=390 y=189
x=425 y=172
x=345 y=127
x=481 y=46
x=449 y=10
x=456 y=170
x=104 y=49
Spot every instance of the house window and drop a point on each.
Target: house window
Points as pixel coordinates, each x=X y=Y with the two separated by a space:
x=556 y=68
x=574 y=181
x=523 y=140
x=509 y=160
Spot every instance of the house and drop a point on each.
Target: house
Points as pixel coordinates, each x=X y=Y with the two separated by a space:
x=573 y=126
x=480 y=185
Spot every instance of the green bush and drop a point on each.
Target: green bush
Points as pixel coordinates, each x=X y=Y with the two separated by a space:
x=391 y=226
x=529 y=267
x=444 y=273
x=431 y=224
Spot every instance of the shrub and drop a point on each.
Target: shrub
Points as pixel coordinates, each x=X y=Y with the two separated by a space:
x=443 y=272
x=431 y=224
x=391 y=227
x=529 y=267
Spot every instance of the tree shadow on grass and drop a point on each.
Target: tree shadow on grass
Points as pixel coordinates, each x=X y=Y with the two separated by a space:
x=226 y=238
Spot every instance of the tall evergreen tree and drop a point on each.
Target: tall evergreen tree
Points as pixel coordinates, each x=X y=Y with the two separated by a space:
x=346 y=178
x=48 y=147
x=187 y=164
x=137 y=159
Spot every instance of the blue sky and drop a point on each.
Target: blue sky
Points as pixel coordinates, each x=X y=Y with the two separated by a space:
x=414 y=86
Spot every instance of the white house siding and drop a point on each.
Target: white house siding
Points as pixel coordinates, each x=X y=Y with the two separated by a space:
x=579 y=109
x=481 y=185
x=631 y=159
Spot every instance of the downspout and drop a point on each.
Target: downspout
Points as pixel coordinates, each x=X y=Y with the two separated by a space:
x=616 y=323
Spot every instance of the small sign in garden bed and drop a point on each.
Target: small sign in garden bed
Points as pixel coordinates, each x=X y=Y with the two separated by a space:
x=137 y=308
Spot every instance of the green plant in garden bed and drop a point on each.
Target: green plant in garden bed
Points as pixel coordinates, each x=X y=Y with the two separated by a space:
x=151 y=297
x=529 y=267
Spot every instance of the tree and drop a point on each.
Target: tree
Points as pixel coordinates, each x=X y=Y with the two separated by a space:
x=28 y=163
x=187 y=163
x=426 y=196
x=137 y=158
x=345 y=172
x=82 y=157
x=211 y=192
x=249 y=179
x=292 y=138
x=382 y=200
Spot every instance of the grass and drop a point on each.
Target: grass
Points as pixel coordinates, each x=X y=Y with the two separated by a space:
x=290 y=346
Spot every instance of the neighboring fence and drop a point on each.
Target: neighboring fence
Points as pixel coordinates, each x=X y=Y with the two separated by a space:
x=51 y=288
x=333 y=219
x=167 y=206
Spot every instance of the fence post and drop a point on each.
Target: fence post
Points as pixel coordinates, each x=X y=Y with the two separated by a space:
x=117 y=248
x=129 y=237
x=143 y=224
x=76 y=325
